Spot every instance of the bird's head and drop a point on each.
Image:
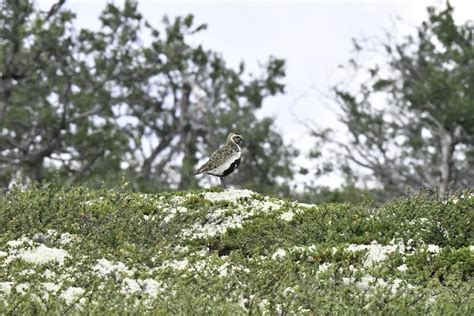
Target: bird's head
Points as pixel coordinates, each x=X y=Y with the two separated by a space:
x=235 y=138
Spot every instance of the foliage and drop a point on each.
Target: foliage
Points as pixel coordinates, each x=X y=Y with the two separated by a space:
x=234 y=252
x=410 y=123
x=127 y=101
x=346 y=193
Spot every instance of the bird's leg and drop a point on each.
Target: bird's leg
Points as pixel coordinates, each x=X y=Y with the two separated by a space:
x=223 y=182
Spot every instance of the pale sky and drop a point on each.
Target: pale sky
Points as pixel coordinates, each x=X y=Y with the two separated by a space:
x=314 y=37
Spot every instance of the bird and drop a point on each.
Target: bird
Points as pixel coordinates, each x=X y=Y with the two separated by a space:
x=223 y=161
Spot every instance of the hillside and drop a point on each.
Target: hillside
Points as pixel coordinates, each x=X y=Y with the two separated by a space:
x=232 y=252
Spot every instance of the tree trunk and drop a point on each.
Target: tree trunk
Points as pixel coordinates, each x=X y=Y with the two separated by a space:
x=448 y=144
x=37 y=171
x=148 y=162
x=188 y=138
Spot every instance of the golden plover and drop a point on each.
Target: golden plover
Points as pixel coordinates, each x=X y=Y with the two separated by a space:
x=223 y=161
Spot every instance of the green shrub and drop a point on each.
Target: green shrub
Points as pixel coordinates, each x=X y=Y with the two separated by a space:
x=184 y=253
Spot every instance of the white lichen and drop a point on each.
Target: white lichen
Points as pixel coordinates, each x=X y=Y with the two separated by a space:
x=105 y=267
x=147 y=286
x=197 y=230
x=402 y=268
x=72 y=294
x=22 y=288
x=175 y=264
x=376 y=253
x=19 y=242
x=265 y=206
x=287 y=216
x=228 y=195
x=279 y=254
x=51 y=287
x=6 y=287
x=324 y=267
x=66 y=238
x=42 y=255
x=433 y=248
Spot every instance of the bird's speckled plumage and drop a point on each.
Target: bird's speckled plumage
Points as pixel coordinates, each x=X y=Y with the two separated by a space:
x=225 y=160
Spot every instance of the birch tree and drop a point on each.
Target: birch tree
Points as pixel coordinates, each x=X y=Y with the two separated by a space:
x=129 y=100
x=411 y=123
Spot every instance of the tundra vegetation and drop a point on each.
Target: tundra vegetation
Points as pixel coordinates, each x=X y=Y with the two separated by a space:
x=82 y=111
x=72 y=250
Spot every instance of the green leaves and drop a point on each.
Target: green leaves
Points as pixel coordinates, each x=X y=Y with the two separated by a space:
x=381 y=84
x=406 y=119
x=93 y=106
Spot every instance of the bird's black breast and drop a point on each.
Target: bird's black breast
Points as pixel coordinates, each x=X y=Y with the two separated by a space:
x=231 y=168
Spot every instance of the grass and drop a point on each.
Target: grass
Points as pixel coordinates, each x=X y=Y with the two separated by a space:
x=233 y=253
